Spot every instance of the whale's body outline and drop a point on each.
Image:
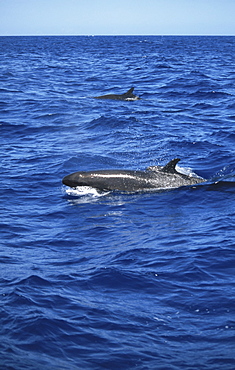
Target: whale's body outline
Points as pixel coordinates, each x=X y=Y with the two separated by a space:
x=154 y=177
x=128 y=96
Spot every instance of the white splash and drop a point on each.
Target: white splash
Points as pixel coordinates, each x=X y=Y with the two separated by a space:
x=81 y=191
x=187 y=171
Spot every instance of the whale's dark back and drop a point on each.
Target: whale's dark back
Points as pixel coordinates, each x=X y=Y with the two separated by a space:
x=126 y=96
x=128 y=180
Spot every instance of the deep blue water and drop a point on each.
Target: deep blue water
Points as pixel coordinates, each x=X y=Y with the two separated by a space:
x=116 y=281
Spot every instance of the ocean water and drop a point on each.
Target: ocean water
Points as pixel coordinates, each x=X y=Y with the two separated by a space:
x=116 y=280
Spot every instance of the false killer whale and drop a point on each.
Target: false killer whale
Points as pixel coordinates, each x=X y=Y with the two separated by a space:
x=154 y=177
x=126 y=96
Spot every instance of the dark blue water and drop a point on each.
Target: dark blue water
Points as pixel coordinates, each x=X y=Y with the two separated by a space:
x=116 y=281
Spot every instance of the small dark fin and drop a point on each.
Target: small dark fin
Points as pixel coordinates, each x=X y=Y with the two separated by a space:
x=170 y=166
x=129 y=92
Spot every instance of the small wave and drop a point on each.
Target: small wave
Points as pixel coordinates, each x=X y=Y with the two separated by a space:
x=209 y=94
x=4 y=90
x=227 y=185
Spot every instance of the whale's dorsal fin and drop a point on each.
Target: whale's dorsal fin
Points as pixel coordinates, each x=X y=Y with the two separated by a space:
x=170 y=166
x=128 y=94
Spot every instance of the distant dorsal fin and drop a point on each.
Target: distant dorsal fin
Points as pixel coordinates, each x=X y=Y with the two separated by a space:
x=170 y=166
x=129 y=92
